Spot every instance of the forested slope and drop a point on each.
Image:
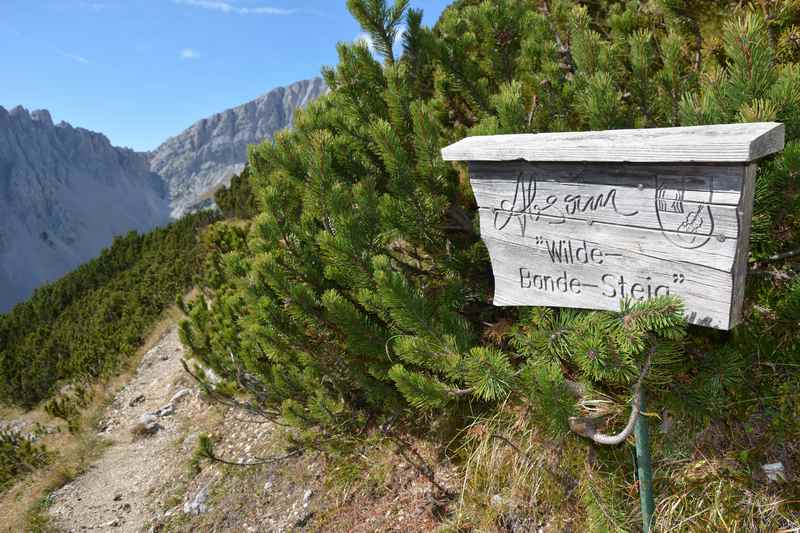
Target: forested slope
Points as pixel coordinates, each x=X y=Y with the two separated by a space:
x=85 y=324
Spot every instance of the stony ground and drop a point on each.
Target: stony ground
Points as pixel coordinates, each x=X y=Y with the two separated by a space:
x=143 y=481
x=146 y=479
x=122 y=490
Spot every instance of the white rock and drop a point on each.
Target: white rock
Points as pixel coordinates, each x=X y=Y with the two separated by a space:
x=198 y=504
x=147 y=418
x=190 y=441
x=498 y=502
x=774 y=471
x=149 y=422
x=165 y=410
x=180 y=394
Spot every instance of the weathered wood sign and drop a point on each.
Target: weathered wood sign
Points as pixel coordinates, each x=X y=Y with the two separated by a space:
x=586 y=219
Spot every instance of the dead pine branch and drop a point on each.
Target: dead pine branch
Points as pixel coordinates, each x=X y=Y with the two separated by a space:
x=780 y=257
x=567 y=64
x=587 y=426
x=229 y=402
x=206 y=451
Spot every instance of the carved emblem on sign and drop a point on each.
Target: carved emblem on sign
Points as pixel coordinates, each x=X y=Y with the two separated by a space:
x=588 y=219
x=687 y=224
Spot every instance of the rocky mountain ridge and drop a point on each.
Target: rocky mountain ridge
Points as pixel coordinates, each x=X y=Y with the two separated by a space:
x=65 y=193
x=202 y=158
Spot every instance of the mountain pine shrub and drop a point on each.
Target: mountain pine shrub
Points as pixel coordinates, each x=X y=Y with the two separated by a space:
x=19 y=455
x=83 y=326
x=360 y=297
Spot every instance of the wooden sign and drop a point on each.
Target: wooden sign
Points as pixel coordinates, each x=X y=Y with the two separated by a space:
x=586 y=219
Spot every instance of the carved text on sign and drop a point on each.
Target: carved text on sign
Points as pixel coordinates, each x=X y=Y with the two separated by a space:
x=640 y=233
x=557 y=208
x=585 y=219
x=685 y=223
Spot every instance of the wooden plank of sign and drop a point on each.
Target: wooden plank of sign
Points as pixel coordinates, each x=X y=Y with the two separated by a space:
x=740 y=266
x=692 y=209
x=526 y=276
x=588 y=235
x=614 y=244
x=739 y=143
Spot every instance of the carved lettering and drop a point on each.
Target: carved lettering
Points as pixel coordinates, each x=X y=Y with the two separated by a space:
x=591 y=239
x=522 y=206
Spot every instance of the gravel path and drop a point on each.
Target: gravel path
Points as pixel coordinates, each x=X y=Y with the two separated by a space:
x=126 y=488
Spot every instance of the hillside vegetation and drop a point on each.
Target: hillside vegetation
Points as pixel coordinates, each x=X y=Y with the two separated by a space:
x=84 y=325
x=357 y=304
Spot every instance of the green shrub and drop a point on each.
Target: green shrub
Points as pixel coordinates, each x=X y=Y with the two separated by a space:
x=360 y=296
x=85 y=324
x=19 y=456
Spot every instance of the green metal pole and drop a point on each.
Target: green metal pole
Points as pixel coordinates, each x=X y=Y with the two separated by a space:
x=643 y=466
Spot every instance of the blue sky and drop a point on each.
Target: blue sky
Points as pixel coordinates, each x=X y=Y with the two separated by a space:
x=143 y=70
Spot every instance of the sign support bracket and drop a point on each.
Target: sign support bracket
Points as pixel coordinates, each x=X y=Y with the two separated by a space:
x=643 y=466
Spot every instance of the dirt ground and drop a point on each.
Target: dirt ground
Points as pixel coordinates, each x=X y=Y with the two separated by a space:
x=126 y=487
x=149 y=482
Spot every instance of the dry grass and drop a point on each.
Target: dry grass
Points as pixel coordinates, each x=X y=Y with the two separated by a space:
x=376 y=489
x=715 y=494
x=23 y=506
x=517 y=480
x=513 y=478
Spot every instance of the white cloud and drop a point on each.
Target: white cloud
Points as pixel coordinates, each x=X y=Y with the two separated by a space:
x=228 y=7
x=74 y=57
x=94 y=6
x=189 y=53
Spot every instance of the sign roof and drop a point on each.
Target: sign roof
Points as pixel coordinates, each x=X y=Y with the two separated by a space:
x=720 y=143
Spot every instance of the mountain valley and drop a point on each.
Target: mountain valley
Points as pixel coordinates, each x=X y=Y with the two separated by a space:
x=66 y=192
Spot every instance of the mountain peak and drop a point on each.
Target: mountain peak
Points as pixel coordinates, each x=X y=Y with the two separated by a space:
x=39 y=116
x=66 y=191
x=42 y=116
x=206 y=155
x=64 y=195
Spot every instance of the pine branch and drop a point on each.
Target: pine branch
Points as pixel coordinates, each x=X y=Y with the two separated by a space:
x=568 y=65
x=248 y=407
x=255 y=460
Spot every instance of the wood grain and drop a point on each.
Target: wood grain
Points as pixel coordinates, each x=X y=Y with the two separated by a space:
x=740 y=143
x=526 y=276
x=587 y=235
x=740 y=266
x=586 y=219
x=693 y=211
x=616 y=244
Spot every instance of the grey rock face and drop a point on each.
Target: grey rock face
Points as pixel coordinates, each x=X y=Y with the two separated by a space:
x=205 y=156
x=65 y=193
